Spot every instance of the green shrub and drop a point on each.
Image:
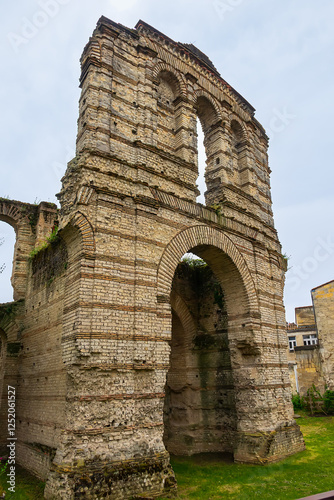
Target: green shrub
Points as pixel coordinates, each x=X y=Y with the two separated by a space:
x=48 y=241
x=314 y=402
x=328 y=399
x=297 y=402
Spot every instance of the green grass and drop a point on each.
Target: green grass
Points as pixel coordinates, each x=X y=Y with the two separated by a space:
x=27 y=486
x=211 y=478
x=306 y=473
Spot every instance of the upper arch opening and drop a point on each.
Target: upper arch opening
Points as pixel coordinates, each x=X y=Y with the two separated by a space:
x=206 y=113
x=168 y=85
x=237 y=134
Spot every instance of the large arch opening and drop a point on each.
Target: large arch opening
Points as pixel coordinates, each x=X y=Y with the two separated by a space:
x=200 y=413
x=209 y=307
x=7 y=248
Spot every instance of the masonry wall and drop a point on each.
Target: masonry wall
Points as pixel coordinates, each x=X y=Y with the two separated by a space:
x=8 y=368
x=299 y=333
x=313 y=363
x=309 y=370
x=323 y=303
x=305 y=316
x=41 y=389
x=28 y=345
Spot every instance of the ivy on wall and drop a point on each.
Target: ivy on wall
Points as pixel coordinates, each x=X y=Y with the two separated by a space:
x=49 y=261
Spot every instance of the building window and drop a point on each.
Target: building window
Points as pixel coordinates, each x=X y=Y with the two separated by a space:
x=292 y=343
x=310 y=339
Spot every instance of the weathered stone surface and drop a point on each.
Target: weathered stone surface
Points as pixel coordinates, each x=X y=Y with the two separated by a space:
x=305 y=316
x=310 y=361
x=323 y=301
x=102 y=323
x=304 y=360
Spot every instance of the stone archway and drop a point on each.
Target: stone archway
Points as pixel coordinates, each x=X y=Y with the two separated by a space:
x=12 y=214
x=200 y=238
x=206 y=362
x=200 y=412
x=32 y=224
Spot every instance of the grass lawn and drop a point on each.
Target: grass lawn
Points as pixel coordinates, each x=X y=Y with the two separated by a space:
x=27 y=486
x=306 y=473
x=211 y=478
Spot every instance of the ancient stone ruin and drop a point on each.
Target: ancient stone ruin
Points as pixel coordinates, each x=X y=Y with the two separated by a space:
x=118 y=352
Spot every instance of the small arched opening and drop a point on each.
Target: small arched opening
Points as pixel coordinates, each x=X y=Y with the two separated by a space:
x=210 y=134
x=236 y=144
x=167 y=91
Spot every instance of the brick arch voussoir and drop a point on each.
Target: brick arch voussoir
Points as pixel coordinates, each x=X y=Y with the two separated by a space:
x=4 y=327
x=162 y=66
x=202 y=93
x=234 y=118
x=182 y=310
x=197 y=236
x=7 y=324
x=81 y=222
x=10 y=213
x=3 y=333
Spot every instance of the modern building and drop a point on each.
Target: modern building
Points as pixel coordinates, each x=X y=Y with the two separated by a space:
x=311 y=342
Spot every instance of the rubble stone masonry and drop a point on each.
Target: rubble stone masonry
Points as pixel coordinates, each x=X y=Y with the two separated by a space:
x=101 y=320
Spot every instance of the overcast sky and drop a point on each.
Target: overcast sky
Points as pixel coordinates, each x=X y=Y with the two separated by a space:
x=277 y=53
